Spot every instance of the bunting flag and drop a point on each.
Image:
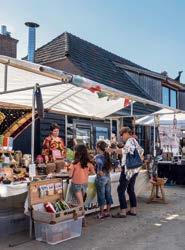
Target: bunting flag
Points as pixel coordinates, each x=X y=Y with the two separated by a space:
x=112 y=97
x=127 y=102
x=102 y=94
x=95 y=89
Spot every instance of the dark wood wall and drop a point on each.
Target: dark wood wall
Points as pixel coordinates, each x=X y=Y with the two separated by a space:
x=152 y=86
x=42 y=129
x=47 y=121
x=182 y=100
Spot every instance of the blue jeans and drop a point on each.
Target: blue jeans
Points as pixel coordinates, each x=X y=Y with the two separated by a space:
x=78 y=188
x=103 y=186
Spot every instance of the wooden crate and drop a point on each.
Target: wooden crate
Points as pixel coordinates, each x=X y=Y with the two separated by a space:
x=34 y=195
x=43 y=216
x=52 y=218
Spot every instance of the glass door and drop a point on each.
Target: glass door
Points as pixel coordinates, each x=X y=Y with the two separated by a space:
x=83 y=135
x=101 y=133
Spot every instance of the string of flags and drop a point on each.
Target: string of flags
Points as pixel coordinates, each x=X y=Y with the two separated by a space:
x=101 y=94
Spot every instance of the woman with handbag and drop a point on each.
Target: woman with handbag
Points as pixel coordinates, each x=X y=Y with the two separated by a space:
x=131 y=165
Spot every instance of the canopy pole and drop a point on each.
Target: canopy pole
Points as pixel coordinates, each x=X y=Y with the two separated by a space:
x=59 y=94
x=154 y=138
x=65 y=98
x=118 y=128
x=110 y=128
x=66 y=130
x=131 y=109
x=5 y=77
x=33 y=127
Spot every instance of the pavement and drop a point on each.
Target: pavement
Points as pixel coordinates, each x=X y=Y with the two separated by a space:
x=156 y=227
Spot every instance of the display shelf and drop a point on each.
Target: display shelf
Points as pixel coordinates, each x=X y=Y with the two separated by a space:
x=6 y=151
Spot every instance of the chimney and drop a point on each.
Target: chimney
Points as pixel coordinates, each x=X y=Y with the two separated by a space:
x=3 y=30
x=31 y=40
x=8 y=45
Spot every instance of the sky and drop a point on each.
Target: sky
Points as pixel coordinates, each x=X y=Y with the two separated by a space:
x=149 y=33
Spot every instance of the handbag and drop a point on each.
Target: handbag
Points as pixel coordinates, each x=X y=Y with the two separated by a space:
x=133 y=160
x=56 y=154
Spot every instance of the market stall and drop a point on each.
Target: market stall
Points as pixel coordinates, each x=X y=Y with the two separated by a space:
x=21 y=83
x=170 y=126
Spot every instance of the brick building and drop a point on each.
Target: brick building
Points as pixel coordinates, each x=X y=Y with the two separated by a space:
x=8 y=45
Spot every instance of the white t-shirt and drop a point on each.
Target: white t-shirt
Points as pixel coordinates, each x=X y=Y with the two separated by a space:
x=130 y=145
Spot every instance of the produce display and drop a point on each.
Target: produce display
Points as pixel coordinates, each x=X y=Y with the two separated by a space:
x=56 y=207
x=14 y=167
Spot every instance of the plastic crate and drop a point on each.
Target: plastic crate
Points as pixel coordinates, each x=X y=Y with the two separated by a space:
x=13 y=223
x=57 y=233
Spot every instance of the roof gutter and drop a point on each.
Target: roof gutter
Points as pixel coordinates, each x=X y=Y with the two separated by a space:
x=150 y=73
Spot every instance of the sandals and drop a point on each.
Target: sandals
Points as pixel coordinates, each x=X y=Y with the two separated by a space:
x=103 y=216
x=118 y=215
x=106 y=215
x=130 y=213
x=100 y=216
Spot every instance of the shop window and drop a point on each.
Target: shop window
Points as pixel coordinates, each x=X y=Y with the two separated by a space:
x=140 y=132
x=173 y=98
x=169 y=97
x=102 y=133
x=166 y=96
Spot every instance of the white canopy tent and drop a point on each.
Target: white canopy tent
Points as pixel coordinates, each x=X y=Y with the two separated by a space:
x=60 y=95
x=165 y=116
x=61 y=91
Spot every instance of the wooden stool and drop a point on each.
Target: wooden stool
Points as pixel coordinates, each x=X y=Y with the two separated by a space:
x=156 y=186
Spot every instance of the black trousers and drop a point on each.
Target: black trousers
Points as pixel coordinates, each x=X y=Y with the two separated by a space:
x=124 y=185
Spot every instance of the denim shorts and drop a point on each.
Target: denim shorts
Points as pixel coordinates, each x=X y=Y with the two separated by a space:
x=78 y=188
x=103 y=186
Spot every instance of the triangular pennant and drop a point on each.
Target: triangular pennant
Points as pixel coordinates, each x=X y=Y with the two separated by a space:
x=127 y=102
x=101 y=94
x=95 y=89
x=112 y=97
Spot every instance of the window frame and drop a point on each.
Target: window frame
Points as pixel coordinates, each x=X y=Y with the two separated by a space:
x=170 y=90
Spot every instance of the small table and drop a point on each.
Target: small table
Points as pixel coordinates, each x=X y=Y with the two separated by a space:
x=174 y=172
